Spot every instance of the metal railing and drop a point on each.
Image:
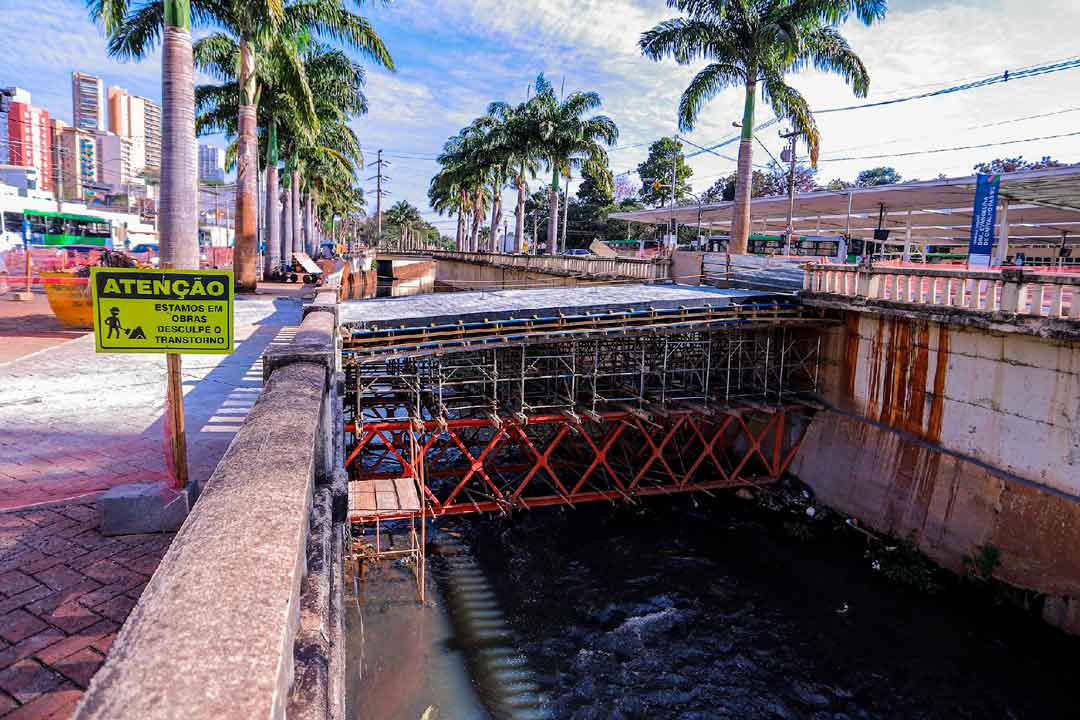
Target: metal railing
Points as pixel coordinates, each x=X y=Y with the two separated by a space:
x=1009 y=290
x=620 y=267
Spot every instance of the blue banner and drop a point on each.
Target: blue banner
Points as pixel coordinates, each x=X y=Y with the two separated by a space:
x=983 y=219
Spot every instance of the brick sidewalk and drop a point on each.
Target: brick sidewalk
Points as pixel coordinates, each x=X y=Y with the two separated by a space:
x=75 y=423
x=65 y=590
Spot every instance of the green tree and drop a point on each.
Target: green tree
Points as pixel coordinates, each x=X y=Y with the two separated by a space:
x=665 y=156
x=570 y=140
x=877 y=176
x=405 y=217
x=594 y=191
x=757 y=43
x=1015 y=164
x=252 y=25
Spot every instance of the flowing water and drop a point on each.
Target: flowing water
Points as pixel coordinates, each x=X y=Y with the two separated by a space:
x=718 y=608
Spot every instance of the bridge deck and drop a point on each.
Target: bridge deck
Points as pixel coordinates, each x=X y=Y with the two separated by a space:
x=442 y=308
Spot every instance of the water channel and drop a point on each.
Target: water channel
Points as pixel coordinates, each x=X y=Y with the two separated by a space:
x=695 y=608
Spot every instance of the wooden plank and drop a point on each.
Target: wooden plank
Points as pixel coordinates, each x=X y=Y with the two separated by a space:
x=384 y=486
x=386 y=500
x=406 y=492
x=364 y=501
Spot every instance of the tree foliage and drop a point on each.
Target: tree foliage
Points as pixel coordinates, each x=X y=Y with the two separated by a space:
x=873 y=177
x=665 y=158
x=1015 y=164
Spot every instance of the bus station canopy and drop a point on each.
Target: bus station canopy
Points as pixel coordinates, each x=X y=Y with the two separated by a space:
x=1042 y=204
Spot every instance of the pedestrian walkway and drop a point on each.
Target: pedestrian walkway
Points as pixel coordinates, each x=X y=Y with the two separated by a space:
x=75 y=423
x=29 y=326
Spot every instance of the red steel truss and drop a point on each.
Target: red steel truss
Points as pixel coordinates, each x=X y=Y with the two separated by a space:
x=499 y=464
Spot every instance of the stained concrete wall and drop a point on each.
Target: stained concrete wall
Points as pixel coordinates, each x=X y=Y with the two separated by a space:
x=473 y=276
x=955 y=437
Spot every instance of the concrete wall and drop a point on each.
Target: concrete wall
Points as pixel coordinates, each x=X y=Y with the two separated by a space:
x=472 y=276
x=955 y=437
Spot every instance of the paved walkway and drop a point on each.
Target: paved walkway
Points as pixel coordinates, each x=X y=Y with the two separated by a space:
x=29 y=327
x=75 y=423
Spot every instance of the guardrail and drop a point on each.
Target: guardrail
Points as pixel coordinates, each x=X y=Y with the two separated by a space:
x=1009 y=291
x=620 y=267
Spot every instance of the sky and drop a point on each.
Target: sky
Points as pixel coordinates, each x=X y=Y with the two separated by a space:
x=453 y=57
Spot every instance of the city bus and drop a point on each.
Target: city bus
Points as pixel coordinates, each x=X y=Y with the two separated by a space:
x=56 y=229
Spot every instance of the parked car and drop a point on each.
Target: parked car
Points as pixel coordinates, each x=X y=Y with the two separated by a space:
x=579 y=252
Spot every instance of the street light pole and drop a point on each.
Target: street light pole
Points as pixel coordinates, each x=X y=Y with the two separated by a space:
x=790 y=231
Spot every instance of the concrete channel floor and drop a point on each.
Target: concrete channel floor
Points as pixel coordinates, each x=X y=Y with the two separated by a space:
x=74 y=423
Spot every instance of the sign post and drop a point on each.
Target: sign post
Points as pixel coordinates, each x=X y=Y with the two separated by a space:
x=170 y=311
x=983 y=220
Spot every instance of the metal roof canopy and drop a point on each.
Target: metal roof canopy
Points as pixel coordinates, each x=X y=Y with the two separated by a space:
x=1041 y=205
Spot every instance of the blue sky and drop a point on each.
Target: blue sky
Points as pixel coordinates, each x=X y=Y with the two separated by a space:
x=454 y=56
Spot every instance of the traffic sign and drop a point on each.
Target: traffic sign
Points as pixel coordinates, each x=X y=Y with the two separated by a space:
x=175 y=311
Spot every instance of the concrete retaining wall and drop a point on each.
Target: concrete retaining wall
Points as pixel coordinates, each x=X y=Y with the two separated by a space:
x=956 y=437
x=241 y=619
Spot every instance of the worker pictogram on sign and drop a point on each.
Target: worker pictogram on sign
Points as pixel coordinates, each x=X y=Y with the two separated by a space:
x=180 y=311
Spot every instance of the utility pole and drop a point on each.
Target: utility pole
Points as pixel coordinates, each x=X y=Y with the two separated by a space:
x=379 y=177
x=791 y=137
x=672 y=229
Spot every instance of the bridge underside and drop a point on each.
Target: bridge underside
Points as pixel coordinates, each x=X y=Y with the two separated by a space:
x=514 y=413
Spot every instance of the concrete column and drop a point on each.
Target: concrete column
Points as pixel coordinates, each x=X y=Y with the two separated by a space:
x=1003 y=235
x=1074 y=307
x=1037 y=293
x=907 y=239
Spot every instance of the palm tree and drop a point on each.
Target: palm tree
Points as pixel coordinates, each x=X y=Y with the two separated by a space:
x=752 y=43
x=466 y=169
x=309 y=91
x=517 y=141
x=405 y=216
x=570 y=141
x=178 y=222
x=253 y=24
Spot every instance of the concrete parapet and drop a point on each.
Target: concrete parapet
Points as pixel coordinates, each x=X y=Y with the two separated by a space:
x=315 y=342
x=212 y=635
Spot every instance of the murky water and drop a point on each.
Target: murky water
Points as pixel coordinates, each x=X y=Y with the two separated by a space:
x=717 y=608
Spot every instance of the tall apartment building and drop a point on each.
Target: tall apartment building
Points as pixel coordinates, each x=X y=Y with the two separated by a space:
x=127 y=119
x=114 y=159
x=27 y=138
x=57 y=127
x=79 y=169
x=87 y=101
x=152 y=123
x=139 y=120
x=211 y=163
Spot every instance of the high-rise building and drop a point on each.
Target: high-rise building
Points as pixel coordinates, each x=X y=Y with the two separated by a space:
x=211 y=163
x=56 y=151
x=8 y=95
x=152 y=124
x=114 y=160
x=79 y=162
x=127 y=119
x=28 y=136
x=87 y=102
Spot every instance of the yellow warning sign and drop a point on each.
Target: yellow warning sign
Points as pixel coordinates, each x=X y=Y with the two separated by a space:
x=182 y=311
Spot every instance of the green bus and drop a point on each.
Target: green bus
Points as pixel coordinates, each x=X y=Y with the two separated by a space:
x=58 y=229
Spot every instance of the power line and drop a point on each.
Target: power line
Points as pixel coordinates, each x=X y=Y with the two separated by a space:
x=1003 y=77
x=953 y=149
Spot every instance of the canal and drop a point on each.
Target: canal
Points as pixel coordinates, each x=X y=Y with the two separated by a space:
x=694 y=608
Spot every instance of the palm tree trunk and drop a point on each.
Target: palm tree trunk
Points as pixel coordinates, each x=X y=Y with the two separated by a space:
x=740 y=221
x=297 y=229
x=273 y=226
x=287 y=222
x=496 y=217
x=178 y=219
x=474 y=238
x=519 y=216
x=460 y=244
x=553 y=219
x=309 y=230
x=246 y=248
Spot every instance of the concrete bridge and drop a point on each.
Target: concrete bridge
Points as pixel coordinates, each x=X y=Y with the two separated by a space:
x=936 y=405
